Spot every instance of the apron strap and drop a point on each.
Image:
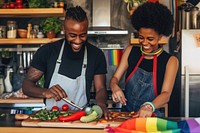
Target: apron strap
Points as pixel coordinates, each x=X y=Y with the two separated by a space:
x=155 y=58
x=61 y=52
x=84 y=66
x=138 y=63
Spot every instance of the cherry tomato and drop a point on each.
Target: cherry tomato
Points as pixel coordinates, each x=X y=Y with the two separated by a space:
x=65 y=107
x=12 y=5
x=55 y=108
x=19 y=1
x=19 y=6
x=7 y=5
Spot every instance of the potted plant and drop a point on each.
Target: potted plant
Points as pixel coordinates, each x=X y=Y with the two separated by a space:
x=51 y=26
x=133 y=4
x=5 y=56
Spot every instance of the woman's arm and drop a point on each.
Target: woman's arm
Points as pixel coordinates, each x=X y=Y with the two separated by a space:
x=168 y=83
x=117 y=94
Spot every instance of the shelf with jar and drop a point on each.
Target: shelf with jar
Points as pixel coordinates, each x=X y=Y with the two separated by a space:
x=32 y=12
x=27 y=41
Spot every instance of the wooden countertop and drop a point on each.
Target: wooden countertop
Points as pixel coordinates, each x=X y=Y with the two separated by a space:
x=49 y=130
x=22 y=100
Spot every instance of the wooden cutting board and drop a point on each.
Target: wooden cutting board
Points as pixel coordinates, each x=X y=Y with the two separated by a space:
x=75 y=124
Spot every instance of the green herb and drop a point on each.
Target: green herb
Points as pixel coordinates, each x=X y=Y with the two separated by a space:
x=51 y=24
x=38 y=3
x=49 y=115
x=6 y=53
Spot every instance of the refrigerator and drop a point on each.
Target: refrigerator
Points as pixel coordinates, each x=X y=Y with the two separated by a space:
x=190 y=73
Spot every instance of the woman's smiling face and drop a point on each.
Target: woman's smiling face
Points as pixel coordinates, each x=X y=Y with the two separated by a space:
x=149 y=39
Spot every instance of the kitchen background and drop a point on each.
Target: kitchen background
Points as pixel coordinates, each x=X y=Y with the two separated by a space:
x=111 y=36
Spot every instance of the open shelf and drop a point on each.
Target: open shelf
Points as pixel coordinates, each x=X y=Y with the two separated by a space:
x=33 y=12
x=25 y=41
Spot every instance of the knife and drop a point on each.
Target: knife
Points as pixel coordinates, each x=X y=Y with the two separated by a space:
x=72 y=103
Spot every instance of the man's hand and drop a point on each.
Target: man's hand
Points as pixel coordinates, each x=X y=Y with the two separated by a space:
x=106 y=112
x=55 y=92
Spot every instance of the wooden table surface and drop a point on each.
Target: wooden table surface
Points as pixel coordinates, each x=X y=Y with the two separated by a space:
x=48 y=130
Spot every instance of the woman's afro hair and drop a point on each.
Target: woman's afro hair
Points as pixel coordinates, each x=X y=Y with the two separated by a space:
x=155 y=16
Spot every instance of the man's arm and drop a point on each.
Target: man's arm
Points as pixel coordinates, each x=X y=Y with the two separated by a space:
x=30 y=88
x=101 y=93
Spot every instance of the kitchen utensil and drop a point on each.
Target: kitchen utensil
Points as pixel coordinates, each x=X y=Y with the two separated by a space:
x=72 y=103
x=86 y=108
x=20 y=69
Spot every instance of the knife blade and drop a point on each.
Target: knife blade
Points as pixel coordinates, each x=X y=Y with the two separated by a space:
x=71 y=103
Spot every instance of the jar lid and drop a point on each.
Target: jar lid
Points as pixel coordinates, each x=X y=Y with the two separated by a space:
x=11 y=22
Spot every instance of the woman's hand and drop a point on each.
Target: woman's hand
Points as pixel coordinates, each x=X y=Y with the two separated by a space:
x=145 y=112
x=55 y=92
x=118 y=95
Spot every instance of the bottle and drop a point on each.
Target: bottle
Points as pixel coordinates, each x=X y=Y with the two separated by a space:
x=29 y=28
x=11 y=29
x=7 y=80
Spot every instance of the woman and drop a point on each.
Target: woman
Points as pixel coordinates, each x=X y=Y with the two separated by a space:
x=150 y=71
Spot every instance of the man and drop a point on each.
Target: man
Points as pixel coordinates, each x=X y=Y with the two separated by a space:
x=69 y=66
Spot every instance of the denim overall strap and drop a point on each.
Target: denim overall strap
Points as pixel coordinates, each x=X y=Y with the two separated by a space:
x=155 y=58
x=136 y=67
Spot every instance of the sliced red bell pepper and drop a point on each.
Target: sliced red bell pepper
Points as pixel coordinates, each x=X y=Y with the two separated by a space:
x=73 y=117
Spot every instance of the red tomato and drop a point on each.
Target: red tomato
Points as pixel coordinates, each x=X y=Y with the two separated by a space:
x=65 y=107
x=19 y=6
x=19 y=1
x=3 y=6
x=7 y=5
x=55 y=108
x=12 y=5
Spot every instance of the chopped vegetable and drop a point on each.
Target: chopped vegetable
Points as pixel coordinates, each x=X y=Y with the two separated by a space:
x=49 y=115
x=98 y=110
x=73 y=117
x=93 y=116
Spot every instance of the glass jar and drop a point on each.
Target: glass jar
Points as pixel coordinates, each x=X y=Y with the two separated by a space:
x=11 y=29
x=2 y=31
x=36 y=30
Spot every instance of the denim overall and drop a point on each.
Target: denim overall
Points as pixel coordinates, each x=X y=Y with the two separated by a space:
x=141 y=87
